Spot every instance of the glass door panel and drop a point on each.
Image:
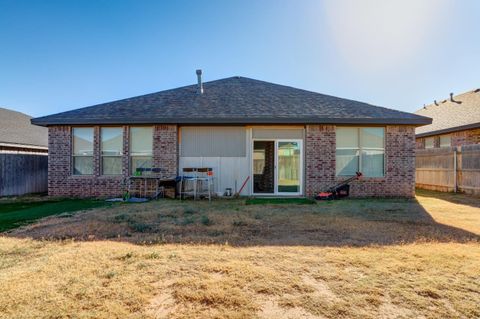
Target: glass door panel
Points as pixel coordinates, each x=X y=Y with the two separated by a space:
x=263 y=167
x=289 y=167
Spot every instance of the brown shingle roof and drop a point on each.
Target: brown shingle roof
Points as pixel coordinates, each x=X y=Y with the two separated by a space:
x=450 y=116
x=16 y=129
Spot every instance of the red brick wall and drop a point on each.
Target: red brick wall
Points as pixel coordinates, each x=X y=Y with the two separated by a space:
x=466 y=137
x=61 y=182
x=319 y=158
x=320 y=143
x=399 y=179
x=460 y=138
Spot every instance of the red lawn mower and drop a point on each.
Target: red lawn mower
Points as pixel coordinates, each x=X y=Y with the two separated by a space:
x=340 y=190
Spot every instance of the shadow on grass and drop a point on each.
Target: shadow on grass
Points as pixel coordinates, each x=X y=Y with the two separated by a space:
x=352 y=222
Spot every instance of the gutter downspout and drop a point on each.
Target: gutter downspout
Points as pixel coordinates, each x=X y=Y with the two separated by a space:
x=455 y=186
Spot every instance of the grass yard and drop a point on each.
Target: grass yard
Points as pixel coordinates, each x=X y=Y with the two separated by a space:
x=169 y=259
x=24 y=210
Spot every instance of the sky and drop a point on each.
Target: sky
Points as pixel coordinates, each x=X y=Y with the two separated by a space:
x=61 y=55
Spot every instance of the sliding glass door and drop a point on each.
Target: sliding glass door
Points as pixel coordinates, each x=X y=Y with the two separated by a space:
x=277 y=167
x=288 y=167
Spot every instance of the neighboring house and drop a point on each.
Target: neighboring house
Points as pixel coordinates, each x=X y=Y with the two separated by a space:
x=23 y=155
x=287 y=141
x=18 y=135
x=456 y=122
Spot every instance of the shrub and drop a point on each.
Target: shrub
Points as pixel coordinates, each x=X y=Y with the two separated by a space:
x=110 y=274
x=126 y=256
x=153 y=255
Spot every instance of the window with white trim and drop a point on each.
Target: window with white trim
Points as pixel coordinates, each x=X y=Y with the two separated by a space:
x=141 y=148
x=429 y=142
x=82 y=154
x=111 y=150
x=360 y=149
x=445 y=140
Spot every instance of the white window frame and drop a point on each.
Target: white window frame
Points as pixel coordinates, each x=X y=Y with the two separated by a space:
x=360 y=148
x=431 y=138
x=74 y=156
x=450 y=140
x=275 y=169
x=102 y=156
x=130 y=142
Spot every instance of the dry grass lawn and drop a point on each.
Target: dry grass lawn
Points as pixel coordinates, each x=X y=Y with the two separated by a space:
x=169 y=259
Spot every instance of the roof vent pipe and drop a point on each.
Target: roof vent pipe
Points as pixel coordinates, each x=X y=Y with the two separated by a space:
x=451 y=99
x=200 y=83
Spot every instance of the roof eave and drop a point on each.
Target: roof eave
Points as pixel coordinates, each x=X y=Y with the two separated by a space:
x=417 y=121
x=449 y=130
x=20 y=145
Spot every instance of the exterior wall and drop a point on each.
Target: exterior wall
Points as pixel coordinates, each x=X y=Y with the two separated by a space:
x=399 y=179
x=460 y=138
x=231 y=166
x=320 y=149
x=466 y=137
x=320 y=144
x=61 y=182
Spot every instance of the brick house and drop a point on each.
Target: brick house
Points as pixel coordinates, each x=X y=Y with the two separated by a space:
x=286 y=141
x=456 y=122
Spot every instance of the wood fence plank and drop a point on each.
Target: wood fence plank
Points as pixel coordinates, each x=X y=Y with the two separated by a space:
x=23 y=174
x=435 y=169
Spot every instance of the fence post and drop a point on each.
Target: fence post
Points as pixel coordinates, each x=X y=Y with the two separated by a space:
x=455 y=170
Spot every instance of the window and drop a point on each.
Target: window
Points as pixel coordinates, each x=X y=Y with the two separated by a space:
x=445 y=140
x=429 y=142
x=112 y=145
x=83 y=150
x=360 y=150
x=141 y=145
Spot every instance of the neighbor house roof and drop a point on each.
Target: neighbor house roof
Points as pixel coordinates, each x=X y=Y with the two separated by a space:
x=16 y=130
x=448 y=116
x=234 y=100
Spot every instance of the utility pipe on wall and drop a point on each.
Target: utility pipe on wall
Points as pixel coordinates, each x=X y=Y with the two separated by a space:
x=455 y=170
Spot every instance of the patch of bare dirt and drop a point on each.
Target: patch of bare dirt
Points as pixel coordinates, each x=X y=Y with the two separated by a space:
x=321 y=289
x=163 y=303
x=390 y=311
x=271 y=310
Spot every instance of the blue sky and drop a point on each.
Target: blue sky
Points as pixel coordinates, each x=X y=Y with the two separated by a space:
x=60 y=55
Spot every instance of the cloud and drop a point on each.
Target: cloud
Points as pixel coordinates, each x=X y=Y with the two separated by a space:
x=376 y=35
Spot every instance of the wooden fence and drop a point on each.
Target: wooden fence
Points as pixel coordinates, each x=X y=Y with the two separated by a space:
x=23 y=174
x=449 y=169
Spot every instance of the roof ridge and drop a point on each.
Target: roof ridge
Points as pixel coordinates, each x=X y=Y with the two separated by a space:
x=466 y=93
x=15 y=111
